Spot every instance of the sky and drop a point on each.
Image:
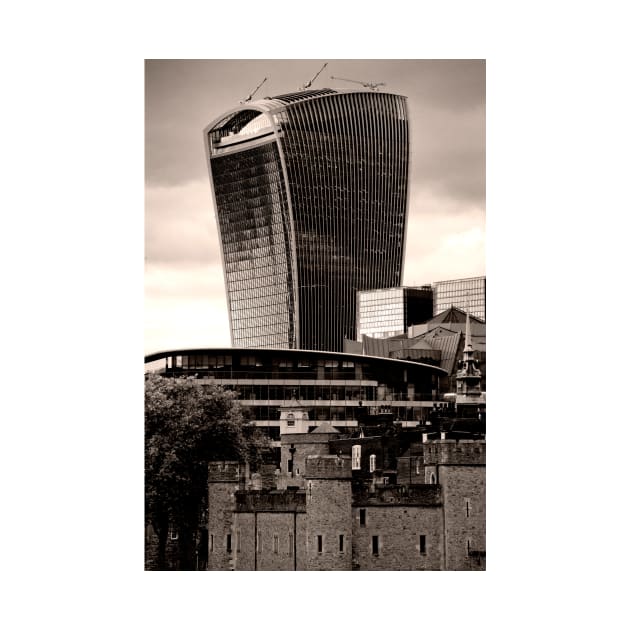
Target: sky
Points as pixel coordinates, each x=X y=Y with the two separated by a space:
x=185 y=302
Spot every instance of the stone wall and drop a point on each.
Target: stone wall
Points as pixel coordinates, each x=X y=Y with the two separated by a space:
x=464 y=489
x=398 y=528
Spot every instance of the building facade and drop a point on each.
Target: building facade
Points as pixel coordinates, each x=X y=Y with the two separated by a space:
x=467 y=294
x=385 y=313
x=341 y=513
x=287 y=391
x=310 y=191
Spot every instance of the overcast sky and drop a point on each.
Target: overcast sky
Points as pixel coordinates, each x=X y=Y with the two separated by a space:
x=185 y=304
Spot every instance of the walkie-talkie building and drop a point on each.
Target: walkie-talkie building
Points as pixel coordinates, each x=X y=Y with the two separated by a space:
x=310 y=191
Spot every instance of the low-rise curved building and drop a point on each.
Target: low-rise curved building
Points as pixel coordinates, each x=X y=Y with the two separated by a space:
x=340 y=389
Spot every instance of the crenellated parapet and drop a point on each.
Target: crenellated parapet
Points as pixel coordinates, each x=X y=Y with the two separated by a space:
x=275 y=501
x=455 y=452
x=227 y=472
x=423 y=495
x=328 y=467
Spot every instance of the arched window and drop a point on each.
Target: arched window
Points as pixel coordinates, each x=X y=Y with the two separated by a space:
x=432 y=478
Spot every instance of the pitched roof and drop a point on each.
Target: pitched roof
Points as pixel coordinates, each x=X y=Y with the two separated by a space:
x=325 y=427
x=453 y=315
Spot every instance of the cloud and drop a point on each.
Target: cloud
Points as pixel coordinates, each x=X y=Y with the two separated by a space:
x=180 y=226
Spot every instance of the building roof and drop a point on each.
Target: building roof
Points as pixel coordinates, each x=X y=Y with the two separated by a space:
x=453 y=315
x=325 y=427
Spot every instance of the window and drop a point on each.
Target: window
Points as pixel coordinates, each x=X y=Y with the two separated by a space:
x=362 y=517
x=432 y=478
x=320 y=544
x=229 y=543
x=356 y=457
x=468 y=506
x=340 y=543
x=211 y=543
x=372 y=463
x=423 y=544
x=275 y=543
x=375 y=545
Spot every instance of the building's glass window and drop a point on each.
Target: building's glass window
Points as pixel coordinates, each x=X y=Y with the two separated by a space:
x=275 y=543
x=362 y=517
x=375 y=545
x=356 y=457
x=341 y=549
x=211 y=543
x=228 y=543
x=320 y=544
x=423 y=544
x=372 y=463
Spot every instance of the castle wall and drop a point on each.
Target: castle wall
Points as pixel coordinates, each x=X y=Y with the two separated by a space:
x=398 y=528
x=464 y=517
x=328 y=512
x=459 y=468
x=224 y=479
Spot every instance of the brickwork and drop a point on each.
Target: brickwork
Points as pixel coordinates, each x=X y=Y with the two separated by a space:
x=328 y=467
x=224 y=479
x=398 y=528
x=328 y=512
x=411 y=469
x=305 y=444
x=462 y=452
x=435 y=522
x=464 y=489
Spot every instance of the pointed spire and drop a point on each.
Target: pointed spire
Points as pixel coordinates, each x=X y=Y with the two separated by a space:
x=468 y=335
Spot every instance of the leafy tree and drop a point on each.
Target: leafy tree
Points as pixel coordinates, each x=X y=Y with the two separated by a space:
x=186 y=426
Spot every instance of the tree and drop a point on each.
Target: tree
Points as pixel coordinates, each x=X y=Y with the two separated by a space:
x=186 y=426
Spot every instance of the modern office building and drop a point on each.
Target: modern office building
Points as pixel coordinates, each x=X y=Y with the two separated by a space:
x=287 y=390
x=310 y=191
x=467 y=294
x=388 y=312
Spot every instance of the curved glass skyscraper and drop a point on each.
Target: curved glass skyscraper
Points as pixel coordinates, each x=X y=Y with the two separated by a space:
x=310 y=192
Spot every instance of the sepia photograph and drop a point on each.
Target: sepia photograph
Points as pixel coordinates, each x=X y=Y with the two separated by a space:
x=315 y=315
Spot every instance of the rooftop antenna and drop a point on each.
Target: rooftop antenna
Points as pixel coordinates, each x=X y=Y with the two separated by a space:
x=249 y=98
x=309 y=83
x=372 y=86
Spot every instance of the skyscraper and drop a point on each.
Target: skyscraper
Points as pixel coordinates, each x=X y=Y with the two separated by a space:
x=310 y=191
x=389 y=312
x=467 y=294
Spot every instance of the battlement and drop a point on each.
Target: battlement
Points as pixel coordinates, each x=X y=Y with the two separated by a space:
x=455 y=452
x=328 y=467
x=227 y=472
x=274 y=501
x=425 y=495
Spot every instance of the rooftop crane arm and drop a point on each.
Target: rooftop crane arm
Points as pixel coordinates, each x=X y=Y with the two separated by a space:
x=309 y=83
x=249 y=98
x=372 y=86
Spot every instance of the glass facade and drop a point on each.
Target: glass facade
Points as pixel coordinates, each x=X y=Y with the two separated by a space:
x=389 y=312
x=467 y=294
x=334 y=387
x=311 y=198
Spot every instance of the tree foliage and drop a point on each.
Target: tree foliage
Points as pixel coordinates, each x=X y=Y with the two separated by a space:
x=186 y=426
